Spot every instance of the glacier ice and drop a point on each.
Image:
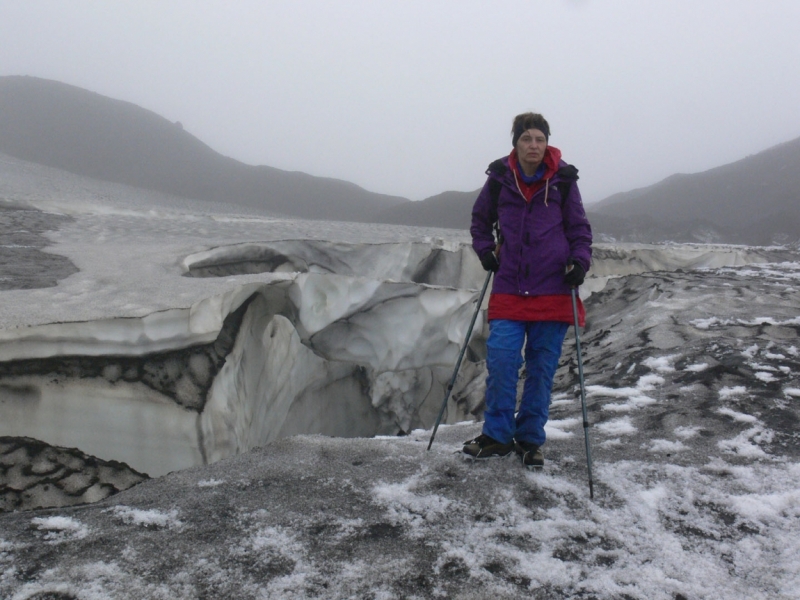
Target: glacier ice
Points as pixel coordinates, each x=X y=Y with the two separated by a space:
x=338 y=339
x=696 y=456
x=190 y=333
x=314 y=352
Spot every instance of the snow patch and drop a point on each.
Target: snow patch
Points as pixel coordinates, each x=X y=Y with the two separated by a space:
x=687 y=432
x=557 y=429
x=405 y=507
x=621 y=426
x=770 y=321
x=768 y=508
x=729 y=392
x=147 y=518
x=61 y=529
x=696 y=368
x=612 y=443
x=654 y=496
x=737 y=416
x=635 y=397
x=718 y=322
x=761 y=367
x=561 y=399
x=204 y=483
x=666 y=446
x=561 y=403
x=662 y=364
x=746 y=443
x=649 y=382
x=710 y=322
x=750 y=351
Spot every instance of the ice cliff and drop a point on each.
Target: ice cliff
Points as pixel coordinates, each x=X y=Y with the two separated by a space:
x=171 y=334
x=315 y=348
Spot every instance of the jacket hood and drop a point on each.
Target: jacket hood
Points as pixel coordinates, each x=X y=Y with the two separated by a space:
x=502 y=168
x=551 y=160
x=507 y=172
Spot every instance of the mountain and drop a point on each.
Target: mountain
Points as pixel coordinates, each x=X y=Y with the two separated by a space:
x=755 y=200
x=70 y=128
x=448 y=209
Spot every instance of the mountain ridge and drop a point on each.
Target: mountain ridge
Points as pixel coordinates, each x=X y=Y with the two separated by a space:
x=86 y=133
x=754 y=200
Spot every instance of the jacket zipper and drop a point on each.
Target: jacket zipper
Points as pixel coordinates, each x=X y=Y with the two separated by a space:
x=524 y=219
x=528 y=209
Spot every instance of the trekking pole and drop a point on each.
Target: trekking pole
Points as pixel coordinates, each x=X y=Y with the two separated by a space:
x=583 y=395
x=460 y=357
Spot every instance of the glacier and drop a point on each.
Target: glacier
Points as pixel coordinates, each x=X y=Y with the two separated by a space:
x=177 y=344
x=259 y=369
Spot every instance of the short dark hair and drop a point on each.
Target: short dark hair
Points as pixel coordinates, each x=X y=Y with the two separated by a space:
x=527 y=121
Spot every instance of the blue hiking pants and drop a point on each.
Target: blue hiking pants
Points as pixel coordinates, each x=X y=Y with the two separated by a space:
x=542 y=341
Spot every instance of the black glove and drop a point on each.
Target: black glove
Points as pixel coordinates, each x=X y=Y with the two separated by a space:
x=490 y=262
x=575 y=274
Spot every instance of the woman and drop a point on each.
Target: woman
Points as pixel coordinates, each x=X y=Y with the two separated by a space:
x=544 y=250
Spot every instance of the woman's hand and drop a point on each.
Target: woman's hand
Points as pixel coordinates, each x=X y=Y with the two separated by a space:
x=575 y=274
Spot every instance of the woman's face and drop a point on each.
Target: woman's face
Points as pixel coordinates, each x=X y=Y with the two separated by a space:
x=530 y=149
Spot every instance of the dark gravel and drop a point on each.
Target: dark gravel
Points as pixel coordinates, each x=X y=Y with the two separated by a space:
x=23 y=263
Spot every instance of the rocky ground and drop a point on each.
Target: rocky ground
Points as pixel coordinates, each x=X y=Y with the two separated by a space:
x=694 y=400
x=693 y=396
x=35 y=475
x=696 y=356
x=23 y=262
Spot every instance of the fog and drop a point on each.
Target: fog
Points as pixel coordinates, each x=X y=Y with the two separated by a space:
x=416 y=98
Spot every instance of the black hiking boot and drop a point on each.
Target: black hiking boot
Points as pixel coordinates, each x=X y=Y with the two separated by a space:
x=485 y=447
x=531 y=454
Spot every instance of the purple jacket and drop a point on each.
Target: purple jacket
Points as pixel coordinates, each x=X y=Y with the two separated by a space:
x=537 y=238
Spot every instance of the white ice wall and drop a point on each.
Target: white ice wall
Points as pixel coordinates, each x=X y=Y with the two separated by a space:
x=328 y=354
x=354 y=342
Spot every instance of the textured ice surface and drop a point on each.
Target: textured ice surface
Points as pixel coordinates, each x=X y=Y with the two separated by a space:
x=696 y=469
x=131 y=358
x=191 y=333
x=311 y=516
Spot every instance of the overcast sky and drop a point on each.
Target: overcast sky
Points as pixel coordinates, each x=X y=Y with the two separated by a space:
x=416 y=97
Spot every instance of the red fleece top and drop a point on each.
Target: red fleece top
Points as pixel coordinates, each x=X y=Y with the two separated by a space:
x=535 y=308
x=551 y=160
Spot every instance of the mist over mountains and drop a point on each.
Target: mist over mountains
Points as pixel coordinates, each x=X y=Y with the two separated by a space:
x=143 y=332
x=755 y=200
x=448 y=209
x=64 y=126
